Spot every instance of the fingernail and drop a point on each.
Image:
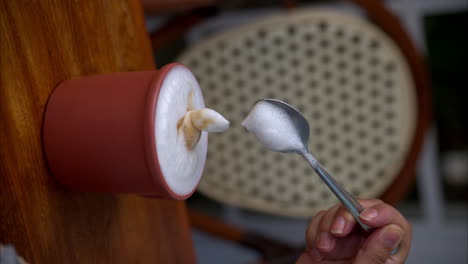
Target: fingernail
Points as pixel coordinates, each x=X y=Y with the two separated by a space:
x=391 y=238
x=339 y=225
x=324 y=240
x=369 y=214
x=315 y=254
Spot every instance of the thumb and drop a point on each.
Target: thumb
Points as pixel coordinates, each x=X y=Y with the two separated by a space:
x=379 y=245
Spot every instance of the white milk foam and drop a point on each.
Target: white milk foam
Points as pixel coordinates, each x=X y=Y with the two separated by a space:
x=181 y=168
x=217 y=122
x=273 y=127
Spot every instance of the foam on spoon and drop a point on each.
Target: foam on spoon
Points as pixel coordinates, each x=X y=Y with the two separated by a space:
x=273 y=127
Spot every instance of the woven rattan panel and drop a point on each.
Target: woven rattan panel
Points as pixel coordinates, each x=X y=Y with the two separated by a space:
x=348 y=79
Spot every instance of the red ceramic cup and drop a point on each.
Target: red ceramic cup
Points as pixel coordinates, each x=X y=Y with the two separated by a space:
x=98 y=133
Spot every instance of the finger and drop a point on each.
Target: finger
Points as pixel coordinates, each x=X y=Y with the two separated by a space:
x=312 y=229
x=344 y=222
x=325 y=242
x=328 y=218
x=346 y=247
x=379 y=245
x=343 y=229
x=383 y=215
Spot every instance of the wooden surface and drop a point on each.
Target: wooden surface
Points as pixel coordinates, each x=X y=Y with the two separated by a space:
x=41 y=44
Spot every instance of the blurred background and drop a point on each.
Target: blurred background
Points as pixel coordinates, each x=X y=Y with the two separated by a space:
x=234 y=219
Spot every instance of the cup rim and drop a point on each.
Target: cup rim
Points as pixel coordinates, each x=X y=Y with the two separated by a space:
x=150 y=140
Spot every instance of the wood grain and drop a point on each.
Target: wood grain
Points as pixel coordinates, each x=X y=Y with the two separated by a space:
x=41 y=44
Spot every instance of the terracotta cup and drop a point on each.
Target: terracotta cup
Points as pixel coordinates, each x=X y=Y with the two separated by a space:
x=98 y=133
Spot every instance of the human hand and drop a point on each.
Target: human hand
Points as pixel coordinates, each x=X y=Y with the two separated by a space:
x=333 y=237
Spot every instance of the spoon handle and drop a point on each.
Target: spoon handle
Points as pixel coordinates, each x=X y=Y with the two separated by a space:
x=345 y=198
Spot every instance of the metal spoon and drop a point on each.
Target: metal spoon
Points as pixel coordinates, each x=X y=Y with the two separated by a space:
x=303 y=130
